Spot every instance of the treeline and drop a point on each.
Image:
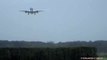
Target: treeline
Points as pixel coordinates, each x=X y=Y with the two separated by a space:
x=100 y=45
x=47 y=53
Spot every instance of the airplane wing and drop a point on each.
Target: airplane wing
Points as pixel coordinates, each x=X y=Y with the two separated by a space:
x=38 y=11
x=24 y=11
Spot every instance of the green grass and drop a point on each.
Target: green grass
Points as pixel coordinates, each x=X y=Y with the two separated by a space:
x=104 y=55
x=104 y=58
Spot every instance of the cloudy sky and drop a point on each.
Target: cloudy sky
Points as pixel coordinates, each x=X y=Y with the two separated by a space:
x=61 y=20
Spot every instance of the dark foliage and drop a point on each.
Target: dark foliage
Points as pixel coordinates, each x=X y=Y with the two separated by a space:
x=100 y=44
x=47 y=53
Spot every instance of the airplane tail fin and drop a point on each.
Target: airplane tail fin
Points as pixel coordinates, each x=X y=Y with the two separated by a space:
x=31 y=9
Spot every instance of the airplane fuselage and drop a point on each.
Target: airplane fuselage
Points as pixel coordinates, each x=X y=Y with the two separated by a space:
x=31 y=11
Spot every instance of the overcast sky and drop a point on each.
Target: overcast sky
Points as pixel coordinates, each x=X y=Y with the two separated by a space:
x=61 y=20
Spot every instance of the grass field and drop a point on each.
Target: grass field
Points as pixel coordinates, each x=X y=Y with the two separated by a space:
x=104 y=55
x=104 y=58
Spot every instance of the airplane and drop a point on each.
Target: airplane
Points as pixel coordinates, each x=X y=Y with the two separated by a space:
x=31 y=11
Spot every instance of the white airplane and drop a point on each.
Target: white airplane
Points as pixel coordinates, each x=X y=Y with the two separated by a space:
x=31 y=11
